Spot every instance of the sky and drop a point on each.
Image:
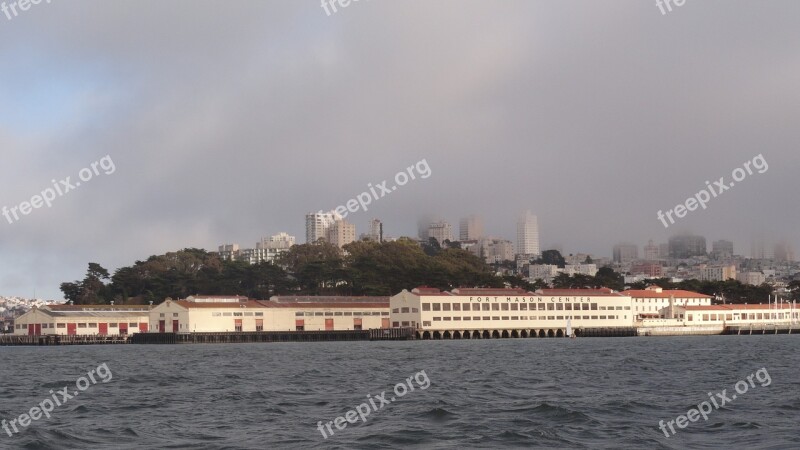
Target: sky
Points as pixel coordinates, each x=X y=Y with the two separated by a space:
x=229 y=121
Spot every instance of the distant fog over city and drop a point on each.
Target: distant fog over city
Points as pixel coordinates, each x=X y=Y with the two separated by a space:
x=230 y=124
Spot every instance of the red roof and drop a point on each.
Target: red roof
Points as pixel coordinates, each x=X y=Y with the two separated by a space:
x=222 y=305
x=677 y=293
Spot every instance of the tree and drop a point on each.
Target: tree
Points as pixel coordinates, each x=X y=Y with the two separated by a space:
x=552 y=257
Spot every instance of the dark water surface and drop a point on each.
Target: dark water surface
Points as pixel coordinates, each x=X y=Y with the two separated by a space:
x=510 y=393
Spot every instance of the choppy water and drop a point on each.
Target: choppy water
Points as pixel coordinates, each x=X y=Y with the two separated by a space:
x=510 y=393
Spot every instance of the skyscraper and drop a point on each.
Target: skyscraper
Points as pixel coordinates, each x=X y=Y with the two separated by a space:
x=441 y=231
x=317 y=225
x=470 y=228
x=722 y=249
x=650 y=251
x=686 y=245
x=375 y=230
x=528 y=234
x=340 y=233
x=625 y=253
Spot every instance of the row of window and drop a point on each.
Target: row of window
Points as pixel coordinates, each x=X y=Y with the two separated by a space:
x=342 y=313
x=447 y=319
x=20 y=326
x=405 y=310
x=517 y=307
x=745 y=316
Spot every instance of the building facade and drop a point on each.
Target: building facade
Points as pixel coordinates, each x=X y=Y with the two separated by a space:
x=625 y=253
x=470 y=228
x=441 y=231
x=69 y=320
x=508 y=312
x=317 y=225
x=648 y=303
x=341 y=233
x=528 y=234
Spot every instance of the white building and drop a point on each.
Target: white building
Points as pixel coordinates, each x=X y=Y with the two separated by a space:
x=470 y=228
x=341 y=233
x=441 y=231
x=647 y=303
x=582 y=269
x=718 y=273
x=508 y=312
x=317 y=225
x=75 y=320
x=545 y=272
x=280 y=241
x=528 y=234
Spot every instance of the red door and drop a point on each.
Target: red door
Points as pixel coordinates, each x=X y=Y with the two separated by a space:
x=299 y=324
x=162 y=326
x=37 y=329
x=102 y=328
x=357 y=323
x=143 y=327
x=31 y=329
x=123 y=328
x=174 y=326
x=237 y=324
x=385 y=322
x=72 y=329
x=328 y=324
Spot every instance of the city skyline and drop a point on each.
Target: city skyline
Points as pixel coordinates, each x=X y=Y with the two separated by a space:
x=547 y=121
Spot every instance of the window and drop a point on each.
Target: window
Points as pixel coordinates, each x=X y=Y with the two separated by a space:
x=559 y=317
x=602 y=317
x=92 y=325
x=248 y=314
x=551 y=306
x=416 y=310
x=594 y=317
x=329 y=313
x=585 y=317
x=405 y=324
x=321 y=314
x=466 y=318
x=174 y=314
x=405 y=310
x=495 y=306
x=426 y=306
x=504 y=306
x=113 y=325
x=515 y=307
x=728 y=316
x=541 y=307
x=568 y=306
x=81 y=325
x=437 y=319
x=523 y=307
x=161 y=315
x=445 y=306
x=476 y=317
x=487 y=318
x=465 y=306
x=594 y=306
x=259 y=314
x=689 y=318
x=227 y=314
x=447 y=319
x=133 y=325
x=456 y=306
x=551 y=317
x=425 y=323
x=348 y=313
x=485 y=307
x=437 y=306
x=237 y=314
x=505 y=317
x=396 y=310
x=61 y=325
x=338 y=313
x=705 y=317
x=559 y=306
x=495 y=317
x=585 y=306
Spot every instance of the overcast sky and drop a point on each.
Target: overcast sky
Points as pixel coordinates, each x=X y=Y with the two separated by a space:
x=228 y=121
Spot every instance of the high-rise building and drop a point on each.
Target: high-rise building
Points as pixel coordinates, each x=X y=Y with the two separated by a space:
x=228 y=252
x=650 y=251
x=279 y=241
x=625 y=252
x=470 y=228
x=784 y=252
x=317 y=225
x=760 y=248
x=491 y=250
x=528 y=234
x=719 y=273
x=441 y=231
x=686 y=246
x=341 y=233
x=722 y=249
x=375 y=231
